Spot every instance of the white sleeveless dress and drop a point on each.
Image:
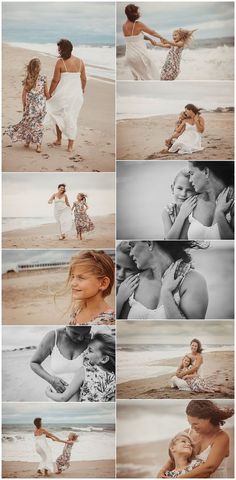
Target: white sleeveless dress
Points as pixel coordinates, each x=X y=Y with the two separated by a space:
x=198 y=231
x=137 y=58
x=63 y=215
x=221 y=471
x=187 y=143
x=44 y=451
x=64 y=107
x=138 y=311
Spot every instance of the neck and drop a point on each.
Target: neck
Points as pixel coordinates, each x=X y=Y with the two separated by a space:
x=181 y=462
x=95 y=304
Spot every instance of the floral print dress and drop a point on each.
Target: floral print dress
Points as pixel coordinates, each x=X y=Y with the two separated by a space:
x=82 y=221
x=99 y=385
x=104 y=318
x=175 y=473
x=63 y=461
x=171 y=67
x=30 y=128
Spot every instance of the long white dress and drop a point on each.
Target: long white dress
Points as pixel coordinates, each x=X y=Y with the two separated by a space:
x=187 y=143
x=63 y=215
x=138 y=59
x=44 y=451
x=64 y=107
x=198 y=231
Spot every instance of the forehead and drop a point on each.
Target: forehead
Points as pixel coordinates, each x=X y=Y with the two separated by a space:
x=124 y=260
x=95 y=344
x=81 y=269
x=182 y=180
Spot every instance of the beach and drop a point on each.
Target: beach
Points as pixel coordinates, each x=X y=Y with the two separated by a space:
x=28 y=297
x=144 y=138
x=144 y=460
x=94 y=148
x=218 y=370
x=46 y=236
x=83 y=469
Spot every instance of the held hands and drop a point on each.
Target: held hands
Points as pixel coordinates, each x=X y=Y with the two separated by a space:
x=223 y=205
x=188 y=206
x=169 y=282
x=59 y=384
x=127 y=287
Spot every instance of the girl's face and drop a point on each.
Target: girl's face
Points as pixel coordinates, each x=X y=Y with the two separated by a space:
x=124 y=267
x=94 y=354
x=142 y=254
x=176 y=36
x=194 y=347
x=186 y=362
x=84 y=285
x=200 y=425
x=182 y=189
x=182 y=445
x=198 y=178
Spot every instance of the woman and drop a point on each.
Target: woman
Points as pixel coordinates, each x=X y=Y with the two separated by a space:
x=137 y=57
x=127 y=278
x=64 y=346
x=168 y=285
x=62 y=210
x=216 y=180
x=43 y=449
x=196 y=363
x=67 y=89
x=189 y=132
x=211 y=442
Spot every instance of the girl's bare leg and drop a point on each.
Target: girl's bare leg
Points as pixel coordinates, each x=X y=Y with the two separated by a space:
x=70 y=145
x=38 y=148
x=59 y=135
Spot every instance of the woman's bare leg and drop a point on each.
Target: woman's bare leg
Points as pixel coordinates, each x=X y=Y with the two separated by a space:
x=59 y=135
x=70 y=145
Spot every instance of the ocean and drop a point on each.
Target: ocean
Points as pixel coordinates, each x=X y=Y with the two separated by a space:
x=96 y=442
x=14 y=223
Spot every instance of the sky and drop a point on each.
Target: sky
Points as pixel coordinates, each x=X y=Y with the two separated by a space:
x=211 y=19
x=16 y=413
x=30 y=192
x=136 y=99
x=47 y=22
x=175 y=333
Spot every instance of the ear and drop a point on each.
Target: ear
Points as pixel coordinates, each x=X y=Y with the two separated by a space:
x=150 y=245
x=207 y=172
x=105 y=359
x=104 y=284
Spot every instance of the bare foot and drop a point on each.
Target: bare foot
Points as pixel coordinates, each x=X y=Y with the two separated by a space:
x=62 y=237
x=26 y=145
x=38 y=149
x=57 y=143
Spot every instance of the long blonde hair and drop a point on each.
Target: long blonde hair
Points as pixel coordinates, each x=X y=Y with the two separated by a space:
x=32 y=73
x=185 y=35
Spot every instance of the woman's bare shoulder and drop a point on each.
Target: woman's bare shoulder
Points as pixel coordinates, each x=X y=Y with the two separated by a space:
x=194 y=279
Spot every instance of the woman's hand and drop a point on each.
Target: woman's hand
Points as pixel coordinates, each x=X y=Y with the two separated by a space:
x=188 y=206
x=223 y=205
x=127 y=287
x=58 y=384
x=169 y=282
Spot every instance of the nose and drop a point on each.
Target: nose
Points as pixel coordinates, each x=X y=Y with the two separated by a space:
x=121 y=273
x=74 y=282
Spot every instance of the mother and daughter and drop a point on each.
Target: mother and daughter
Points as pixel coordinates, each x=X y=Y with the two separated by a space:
x=203 y=203
x=60 y=104
x=138 y=58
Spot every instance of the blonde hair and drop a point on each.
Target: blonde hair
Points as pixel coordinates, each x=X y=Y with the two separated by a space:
x=182 y=362
x=73 y=436
x=32 y=73
x=82 y=195
x=185 y=35
x=173 y=442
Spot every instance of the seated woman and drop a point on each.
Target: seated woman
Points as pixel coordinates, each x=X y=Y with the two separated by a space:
x=187 y=138
x=182 y=456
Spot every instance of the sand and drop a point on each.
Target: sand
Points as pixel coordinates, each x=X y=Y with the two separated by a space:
x=143 y=138
x=218 y=370
x=28 y=297
x=83 y=469
x=95 y=147
x=144 y=460
x=46 y=236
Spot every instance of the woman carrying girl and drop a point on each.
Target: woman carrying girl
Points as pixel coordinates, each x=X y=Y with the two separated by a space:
x=182 y=456
x=35 y=92
x=82 y=221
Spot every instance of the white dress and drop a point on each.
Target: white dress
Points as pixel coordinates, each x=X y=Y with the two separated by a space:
x=198 y=231
x=44 y=451
x=64 y=107
x=187 y=143
x=63 y=215
x=137 y=58
x=221 y=471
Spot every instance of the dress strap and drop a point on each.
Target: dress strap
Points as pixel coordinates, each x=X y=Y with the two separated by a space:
x=133 y=28
x=64 y=65
x=55 y=344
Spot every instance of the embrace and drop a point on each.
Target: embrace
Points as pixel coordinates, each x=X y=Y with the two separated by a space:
x=59 y=105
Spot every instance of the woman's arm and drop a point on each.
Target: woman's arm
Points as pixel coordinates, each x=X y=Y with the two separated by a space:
x=46 y=91
x=56 y=77
x=168 y=466
x=43 y=351
x=169 y=286
x=52 y=436
x=73 y=388
x=194 y=296
x=83 y=76
x=219 y=450
x=67 y=201
x=126 y=288
x=51 y=198
x=200 y=123
x=193 y=369
x=150 y=31
x=173 y=230
x=24 y=93
x=223 y=206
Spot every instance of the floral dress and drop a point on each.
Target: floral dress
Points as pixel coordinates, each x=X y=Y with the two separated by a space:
x=82 y=221
x=63 y=461
x=99 y=385
x=30 y=128
x=104 y=318
x=175 y=473
x=171 y=67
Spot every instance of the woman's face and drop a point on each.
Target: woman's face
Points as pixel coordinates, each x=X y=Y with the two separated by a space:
x=182 y=445
x=124 y=267
x=198 y=178
x=194 y=347
x=93 y=353
x=84 y=285
x=61 y=189
x=182 y=189
x=189 y=113
x=141 y=254
x=186 y=362
x=76 y=333
x=199 y=425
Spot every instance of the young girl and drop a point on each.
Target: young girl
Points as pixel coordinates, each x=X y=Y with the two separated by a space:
x=177 y=130
x=127 y=279
x=82 y=221
x=95 y=381
x=171 y=67
x=34 y=95
x=63 y=461
x=191 y=381
x=91 y=278
x=182 y=456
x=175 y=215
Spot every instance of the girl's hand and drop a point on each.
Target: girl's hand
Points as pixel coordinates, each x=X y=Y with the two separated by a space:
x=188 y=206
x=127 y=287
x=222 y=205
x=169 y=282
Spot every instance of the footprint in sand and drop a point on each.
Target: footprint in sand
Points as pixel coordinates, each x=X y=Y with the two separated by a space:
x=44 y=169
x=71 y=166
x=8 y=146
x=45 y=155
x=95 y=170
x=59 y=170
